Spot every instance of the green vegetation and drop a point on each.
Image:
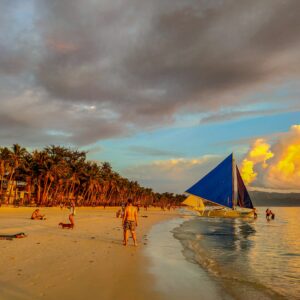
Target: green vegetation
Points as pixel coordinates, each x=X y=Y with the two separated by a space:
x=57 y=175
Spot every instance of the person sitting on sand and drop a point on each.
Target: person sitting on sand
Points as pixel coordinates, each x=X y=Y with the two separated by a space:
x=37 y=216
x=130 y=222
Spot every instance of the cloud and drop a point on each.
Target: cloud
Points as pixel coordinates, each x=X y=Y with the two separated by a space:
x=284 y=172
x=173 y=175
x=237 y=114
x=268 y=165
x=152 y=151
x=31 y=119
x=138 y=63
x=274 y=165
x=259 y=154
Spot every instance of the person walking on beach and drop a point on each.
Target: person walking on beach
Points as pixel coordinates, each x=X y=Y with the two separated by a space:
x=72 y=213
x=123 y=206
x=138 y=205
x=130 y=222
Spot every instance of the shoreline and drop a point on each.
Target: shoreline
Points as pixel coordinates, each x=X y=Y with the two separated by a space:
x=177 y=277
x=87 y=262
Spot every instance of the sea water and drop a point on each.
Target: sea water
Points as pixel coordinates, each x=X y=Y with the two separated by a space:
x=236 y=258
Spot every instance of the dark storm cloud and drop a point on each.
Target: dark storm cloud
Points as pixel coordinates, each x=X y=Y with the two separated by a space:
x=17 y=42
x=101 y=69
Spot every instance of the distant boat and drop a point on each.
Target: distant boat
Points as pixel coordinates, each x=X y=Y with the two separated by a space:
x=224 y=187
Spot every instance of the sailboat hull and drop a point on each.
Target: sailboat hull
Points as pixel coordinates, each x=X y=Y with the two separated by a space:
x=226 y=213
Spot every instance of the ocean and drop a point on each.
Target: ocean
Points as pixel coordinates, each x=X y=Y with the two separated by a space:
x=216 y=258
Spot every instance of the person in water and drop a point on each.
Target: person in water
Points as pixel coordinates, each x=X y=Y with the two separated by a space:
x=254 y=213
x=272 y=215
x=130 y=222
x=269 y=214
x=36 y=215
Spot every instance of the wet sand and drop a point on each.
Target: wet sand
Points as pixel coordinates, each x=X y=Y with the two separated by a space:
x=176 y=276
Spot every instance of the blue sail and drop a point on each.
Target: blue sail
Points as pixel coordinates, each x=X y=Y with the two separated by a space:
x=243 y=199
x=217 y=185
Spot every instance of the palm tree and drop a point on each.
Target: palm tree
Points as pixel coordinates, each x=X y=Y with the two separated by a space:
x=60 y=173
x=15 y=160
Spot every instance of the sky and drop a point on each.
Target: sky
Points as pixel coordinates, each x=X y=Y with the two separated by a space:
x=163 y=90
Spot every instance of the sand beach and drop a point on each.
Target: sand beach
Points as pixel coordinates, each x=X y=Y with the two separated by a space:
x=88 y=262
x=178 y=256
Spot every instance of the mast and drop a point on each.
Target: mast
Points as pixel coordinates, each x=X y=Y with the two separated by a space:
x=233 y=183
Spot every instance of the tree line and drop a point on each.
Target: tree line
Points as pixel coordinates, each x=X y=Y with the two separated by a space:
x=56 y=175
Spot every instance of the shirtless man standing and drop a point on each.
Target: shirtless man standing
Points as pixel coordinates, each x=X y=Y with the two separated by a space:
x=130 y=222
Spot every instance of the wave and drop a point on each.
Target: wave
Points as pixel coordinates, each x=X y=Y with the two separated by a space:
x=290 y=254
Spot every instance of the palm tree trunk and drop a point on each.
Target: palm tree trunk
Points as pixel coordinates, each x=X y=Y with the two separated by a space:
x=9 y=184
x=45 y=189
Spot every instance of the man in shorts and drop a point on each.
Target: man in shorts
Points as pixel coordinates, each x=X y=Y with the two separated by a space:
x=129 y=222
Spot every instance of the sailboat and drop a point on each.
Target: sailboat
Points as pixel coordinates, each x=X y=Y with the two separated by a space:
x=196 y=203
x=224 y=187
